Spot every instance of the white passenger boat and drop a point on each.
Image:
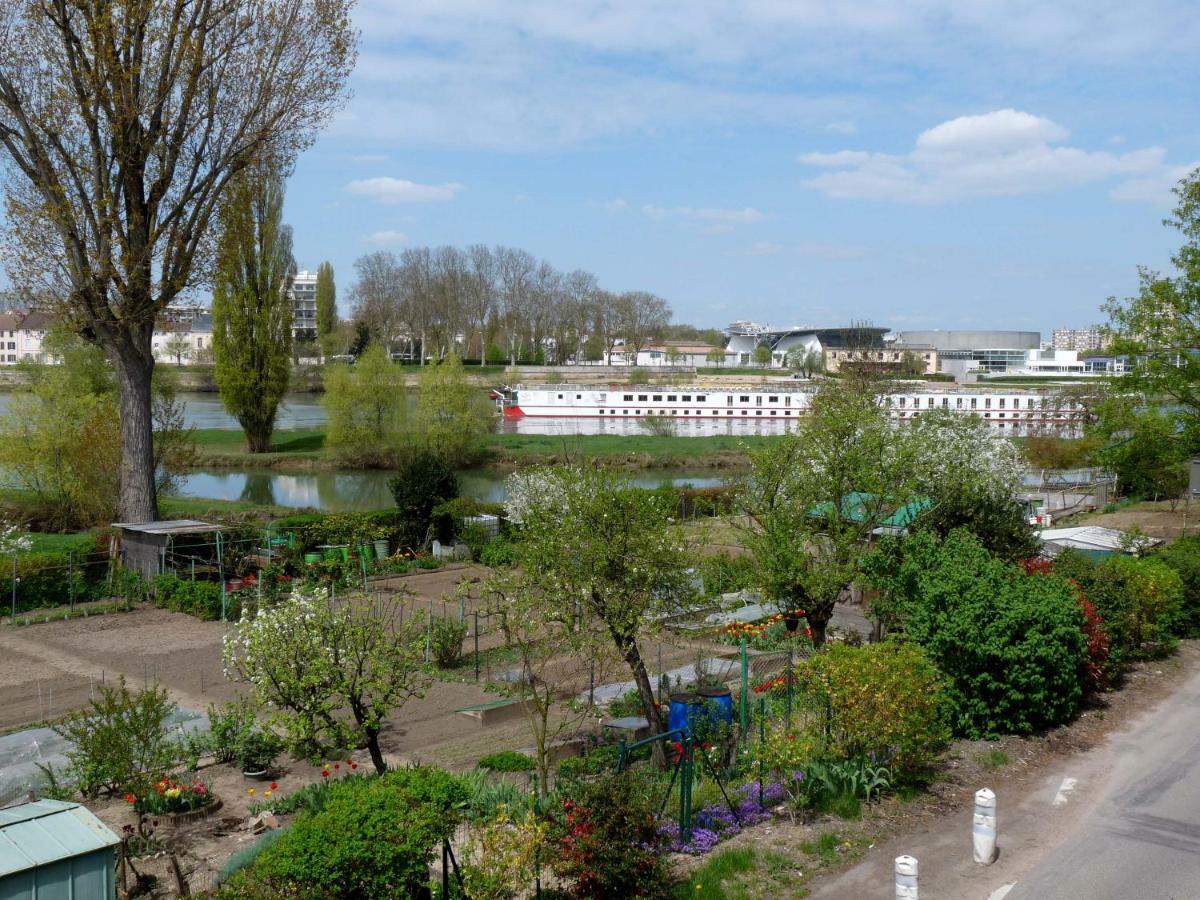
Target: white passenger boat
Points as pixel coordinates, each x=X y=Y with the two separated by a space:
x=1016 y=410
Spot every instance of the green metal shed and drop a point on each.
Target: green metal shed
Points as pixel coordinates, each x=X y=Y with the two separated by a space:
x=51 y=850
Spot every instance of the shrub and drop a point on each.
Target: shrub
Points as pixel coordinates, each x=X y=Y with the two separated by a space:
x=1009 y=645
x=374 y=837
x=422 y=481
x=609 y=845
x=447 y=640
x=507 y=761
x=498 y=553
x=228 y=727
x=1139 y=600
x=723 y=573
x=489 y=797
x=1183 y=557
x=504 y=856
x=53 y=578
x=202 y=599
x=119 y=741
x=883 y=700
x=247 y=855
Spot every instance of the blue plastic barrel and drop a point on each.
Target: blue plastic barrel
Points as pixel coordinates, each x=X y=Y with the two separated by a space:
x=683 y=709
x=717 y=702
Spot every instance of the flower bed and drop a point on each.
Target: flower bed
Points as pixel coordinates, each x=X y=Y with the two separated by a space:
x=769 y=634
x=175 y=801
x=718 y=822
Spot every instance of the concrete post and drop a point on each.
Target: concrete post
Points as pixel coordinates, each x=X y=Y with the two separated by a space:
x=983 y=828
x=906 y=878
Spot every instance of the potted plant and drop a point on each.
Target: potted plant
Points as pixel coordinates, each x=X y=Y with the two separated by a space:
x=257 y=753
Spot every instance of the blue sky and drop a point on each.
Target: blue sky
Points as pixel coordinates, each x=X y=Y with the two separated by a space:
x=935 y=163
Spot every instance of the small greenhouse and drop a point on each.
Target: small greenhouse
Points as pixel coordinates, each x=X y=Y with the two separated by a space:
x=51 y=850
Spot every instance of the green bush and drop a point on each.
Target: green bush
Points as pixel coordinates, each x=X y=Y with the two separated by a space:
x=488 y=797
x=498 y=553
x=119 y=741
x=723 y=573
x=202 y=599
x=373 y=838
x=228 y=727
x=53 y=578
x=247 y=855
x=507 y=761
x=1140 y=601
x=883 y=701
x=422 y=481
x=609 y=844
x=1010 y=646
x=1184 y=557
x=447 y=639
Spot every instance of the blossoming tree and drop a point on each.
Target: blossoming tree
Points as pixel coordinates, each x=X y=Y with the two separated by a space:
x=330 y=672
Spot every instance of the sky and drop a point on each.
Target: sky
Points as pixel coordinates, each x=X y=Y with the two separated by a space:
x=923 y=164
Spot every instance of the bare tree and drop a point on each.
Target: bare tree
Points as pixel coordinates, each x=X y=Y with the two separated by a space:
x=640 y=317
x=376 y=297
x=479 y=290
x=516 y=268
x=121 y=125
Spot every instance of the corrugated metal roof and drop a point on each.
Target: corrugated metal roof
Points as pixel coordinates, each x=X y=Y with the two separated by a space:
x=1089 y=537
x=168 y=526
x=43 y=832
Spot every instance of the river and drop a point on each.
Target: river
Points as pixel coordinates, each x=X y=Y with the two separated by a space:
x=304 y=411
x=365 y=490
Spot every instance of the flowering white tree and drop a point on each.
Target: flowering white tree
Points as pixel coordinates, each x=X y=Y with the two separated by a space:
x=529 y=491
x=330 y=672
x=13 y=539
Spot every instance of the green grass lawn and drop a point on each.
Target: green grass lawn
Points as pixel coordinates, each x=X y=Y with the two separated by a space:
x=224 y=447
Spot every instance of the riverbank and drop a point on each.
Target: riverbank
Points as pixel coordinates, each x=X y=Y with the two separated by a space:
x=305 y=451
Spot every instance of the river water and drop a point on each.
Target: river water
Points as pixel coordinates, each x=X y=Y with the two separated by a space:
x=359 y=491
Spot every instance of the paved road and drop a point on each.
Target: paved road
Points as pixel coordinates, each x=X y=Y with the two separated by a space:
x=1120 y=822
x=1142 y=838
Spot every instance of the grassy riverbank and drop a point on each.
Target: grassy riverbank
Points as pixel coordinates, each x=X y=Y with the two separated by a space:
x=304 y=450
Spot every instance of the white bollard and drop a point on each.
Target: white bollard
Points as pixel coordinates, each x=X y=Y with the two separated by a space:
x=983 y=829
x=906 y=878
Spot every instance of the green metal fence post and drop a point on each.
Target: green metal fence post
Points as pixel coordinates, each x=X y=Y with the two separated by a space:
x=742 y=701
x=476 y=645
x=14 y=589
x=71 y=577
x=762 y=728
x=791 y=680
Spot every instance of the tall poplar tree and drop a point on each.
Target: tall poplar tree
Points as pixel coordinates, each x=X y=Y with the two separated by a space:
x=252 y=309
x=327 y=318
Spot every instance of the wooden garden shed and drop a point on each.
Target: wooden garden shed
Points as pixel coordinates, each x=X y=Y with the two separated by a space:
x=52 y=850
x=145 y=546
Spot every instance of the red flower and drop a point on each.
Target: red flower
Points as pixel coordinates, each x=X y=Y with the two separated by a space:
x=274 y=786
x=324 y=773
x=130 y=799
x=337 y=765
x=353 y=765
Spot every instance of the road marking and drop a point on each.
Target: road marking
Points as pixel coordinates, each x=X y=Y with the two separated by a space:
x=1001 y=892
x=1068 y=785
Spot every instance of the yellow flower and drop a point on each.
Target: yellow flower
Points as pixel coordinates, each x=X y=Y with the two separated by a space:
x=173 y=792
x=250 y=791
x=267 y=793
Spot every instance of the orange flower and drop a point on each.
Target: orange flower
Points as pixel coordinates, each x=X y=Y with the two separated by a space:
x=130 y=799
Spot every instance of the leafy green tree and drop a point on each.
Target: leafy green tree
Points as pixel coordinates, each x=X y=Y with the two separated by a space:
x=1161 y=325
x=606 y=551
x=178 y=348
x=1011 y=646
x=330 y=673
x=423 y=480
x=1144 y=447
x=453 y=415
x=252 y=310
x=815 y=496
x=761 y=356
x=366 y=404
x=715 y=357
x=327 y=319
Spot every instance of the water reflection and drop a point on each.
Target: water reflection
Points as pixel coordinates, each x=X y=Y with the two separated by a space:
x=358 y=491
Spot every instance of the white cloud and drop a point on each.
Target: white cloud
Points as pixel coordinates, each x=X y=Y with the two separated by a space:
x=399 y=190
x=611 y=206
x=388 y=236
x=1153 y=188
x=1005 y=152
x=719 y=219
x=765 y=248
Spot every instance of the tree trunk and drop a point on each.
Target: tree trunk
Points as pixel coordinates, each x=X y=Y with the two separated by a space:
x=134 y=363
x=258 y=442
x=372 y=735
x=633 y=656
x=818 y=621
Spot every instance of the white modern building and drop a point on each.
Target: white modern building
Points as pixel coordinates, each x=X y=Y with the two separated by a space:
x=304 y=306
x=745 y=337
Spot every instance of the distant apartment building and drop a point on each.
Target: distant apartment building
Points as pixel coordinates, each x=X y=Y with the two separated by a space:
x=919 y=360
x=1080 y=339
x=21 y=335
x=304 y=306
x=183 y=343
